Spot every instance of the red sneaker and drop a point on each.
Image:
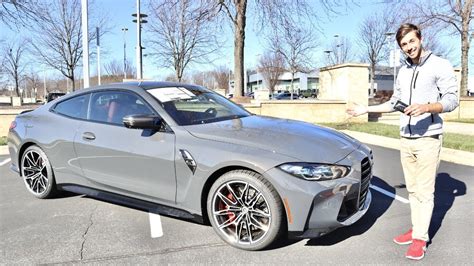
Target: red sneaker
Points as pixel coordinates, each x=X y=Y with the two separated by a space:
x=417 y=249
x=404 y=239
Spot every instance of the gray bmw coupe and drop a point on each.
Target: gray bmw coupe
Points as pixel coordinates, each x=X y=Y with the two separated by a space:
x=194 y=154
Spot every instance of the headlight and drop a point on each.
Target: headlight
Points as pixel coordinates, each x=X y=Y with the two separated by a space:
x=316 y=172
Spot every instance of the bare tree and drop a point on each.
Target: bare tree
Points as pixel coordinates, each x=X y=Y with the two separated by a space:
x=15 y=13
x=33 y=83
x=58 y=36
x=182 y=32
x=432 y=42
x=340 y=50
x=114 y=68
x=221 y=77
x=373 y=39
x=295 y=44
x=452 y=15
x=269 y=13
x=14 y=65
x=271 y=65
x=203 y=78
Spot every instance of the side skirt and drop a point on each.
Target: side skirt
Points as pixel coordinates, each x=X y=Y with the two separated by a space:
x=131 y=202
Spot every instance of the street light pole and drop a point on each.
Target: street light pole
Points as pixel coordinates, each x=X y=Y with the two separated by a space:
x=328 y=53
x=139 y=21
x=85 y=43
x=139 y=43
x=98 y=55
x=393 y=57
x=124 y=30
x=337 y=52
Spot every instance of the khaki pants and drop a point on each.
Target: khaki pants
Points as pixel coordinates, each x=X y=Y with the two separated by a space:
x=420 y=161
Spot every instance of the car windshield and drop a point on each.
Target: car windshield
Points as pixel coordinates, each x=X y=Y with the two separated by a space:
x=196 y=105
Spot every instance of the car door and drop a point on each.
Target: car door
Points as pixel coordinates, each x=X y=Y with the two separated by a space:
x=122 y=160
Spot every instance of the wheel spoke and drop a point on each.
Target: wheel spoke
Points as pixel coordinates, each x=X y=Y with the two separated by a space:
x=33 y=176
x=249 y=231
x=30 y=160
x=30 y=168
x=225 y=200
x=34 y=185
x=258 y=224
x=245 y=193
x=43 y=181
x=238 y=232
x=237 y=198
x=260 y=213
x=228 y=222
x=253 y=201
x=226 y=211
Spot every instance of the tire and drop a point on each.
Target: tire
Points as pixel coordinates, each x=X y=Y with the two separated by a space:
x=37 y=173
x=245 y=210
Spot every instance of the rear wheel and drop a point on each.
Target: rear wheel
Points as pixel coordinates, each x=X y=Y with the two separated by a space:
x=245 y=210
x=37 y=173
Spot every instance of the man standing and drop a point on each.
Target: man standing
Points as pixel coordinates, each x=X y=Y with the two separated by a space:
x=426 y=86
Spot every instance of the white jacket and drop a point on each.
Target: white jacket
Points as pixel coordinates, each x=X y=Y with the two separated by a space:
x=430 y=81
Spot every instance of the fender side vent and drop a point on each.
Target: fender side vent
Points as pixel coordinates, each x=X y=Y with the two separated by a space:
x=189 y=160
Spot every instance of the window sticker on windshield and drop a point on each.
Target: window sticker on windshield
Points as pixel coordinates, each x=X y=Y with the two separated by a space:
x=171 y=94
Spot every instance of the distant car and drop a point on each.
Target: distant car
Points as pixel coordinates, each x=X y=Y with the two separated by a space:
x=188 y=152
x=54 y=95
x=308 y=93
x=285 y=96
x=250 y=94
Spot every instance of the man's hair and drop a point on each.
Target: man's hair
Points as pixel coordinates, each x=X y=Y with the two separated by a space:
x=405 y=29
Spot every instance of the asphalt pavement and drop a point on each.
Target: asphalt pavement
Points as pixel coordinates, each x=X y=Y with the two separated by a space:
x=77 y=229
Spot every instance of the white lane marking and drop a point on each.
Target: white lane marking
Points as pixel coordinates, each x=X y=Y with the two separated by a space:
x=5 y=162
x=155 y=225
x=390 y=194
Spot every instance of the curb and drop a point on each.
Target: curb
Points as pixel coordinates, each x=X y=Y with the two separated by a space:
x=448 y=155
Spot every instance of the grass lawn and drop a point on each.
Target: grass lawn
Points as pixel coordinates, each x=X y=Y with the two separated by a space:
x=3 y=140
x=451 y=140
x=464 y=120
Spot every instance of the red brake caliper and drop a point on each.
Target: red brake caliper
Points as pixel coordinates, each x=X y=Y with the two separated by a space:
x=222 y=206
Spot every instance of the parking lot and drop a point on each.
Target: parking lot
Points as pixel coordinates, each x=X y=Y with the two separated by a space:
x=80 y=229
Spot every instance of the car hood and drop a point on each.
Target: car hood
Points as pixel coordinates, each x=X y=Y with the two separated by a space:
x=300 y=140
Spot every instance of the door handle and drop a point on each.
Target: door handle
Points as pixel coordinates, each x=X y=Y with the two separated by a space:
x=88 y=136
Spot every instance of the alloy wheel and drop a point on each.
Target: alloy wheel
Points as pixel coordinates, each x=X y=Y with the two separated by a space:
x=34 y=170
x=241 y=212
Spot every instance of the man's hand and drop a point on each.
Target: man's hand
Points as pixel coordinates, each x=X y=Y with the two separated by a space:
x=356 y=110
x=417 y=109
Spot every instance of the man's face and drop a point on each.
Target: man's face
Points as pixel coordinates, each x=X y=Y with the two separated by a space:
x=411 y=45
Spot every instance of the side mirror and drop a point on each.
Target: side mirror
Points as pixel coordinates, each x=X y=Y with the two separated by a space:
x=143 y=122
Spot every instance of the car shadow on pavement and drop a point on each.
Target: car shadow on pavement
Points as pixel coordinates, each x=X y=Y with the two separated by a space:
x=380 y=204
x=62 y=194
x=447 y=189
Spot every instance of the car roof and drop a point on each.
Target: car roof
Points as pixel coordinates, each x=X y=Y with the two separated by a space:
x=146 y=85
x=133 y=85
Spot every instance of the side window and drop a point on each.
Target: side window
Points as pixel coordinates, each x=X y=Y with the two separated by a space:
x=75 y=107
x=112 y=106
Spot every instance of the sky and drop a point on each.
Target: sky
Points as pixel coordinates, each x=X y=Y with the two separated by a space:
x=118 y=12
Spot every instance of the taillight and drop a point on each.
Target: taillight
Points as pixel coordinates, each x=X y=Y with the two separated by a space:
x=12 y=125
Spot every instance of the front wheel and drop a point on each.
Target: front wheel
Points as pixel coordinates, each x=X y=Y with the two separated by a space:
x=245 y=210
x=37 y=173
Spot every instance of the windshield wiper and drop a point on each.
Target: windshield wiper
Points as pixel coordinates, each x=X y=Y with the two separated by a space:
x=218 y=119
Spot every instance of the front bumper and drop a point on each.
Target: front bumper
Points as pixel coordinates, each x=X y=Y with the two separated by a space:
x=316 y=208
